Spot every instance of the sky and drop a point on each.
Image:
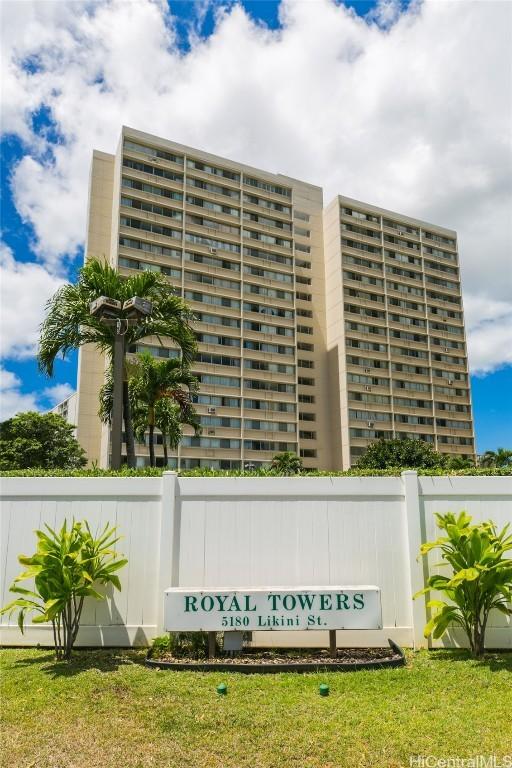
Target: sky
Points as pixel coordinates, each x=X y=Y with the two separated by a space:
x=406 y=105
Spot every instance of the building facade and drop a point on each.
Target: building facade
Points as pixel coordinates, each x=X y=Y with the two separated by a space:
x=287 y=315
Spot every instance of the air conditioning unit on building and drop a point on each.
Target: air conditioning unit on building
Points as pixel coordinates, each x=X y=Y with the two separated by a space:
x=370 y=423
x=367 y=370
x=211 y=431
x=368 y=388
x=450 y=381
x=211 y=410
x=213 y=250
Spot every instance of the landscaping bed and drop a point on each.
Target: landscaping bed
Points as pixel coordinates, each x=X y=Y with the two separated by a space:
x=256 y=660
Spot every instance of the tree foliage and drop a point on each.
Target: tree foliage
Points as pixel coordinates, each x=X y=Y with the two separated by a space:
x=67 y=567
x=68 y=323
x=407 y=454
x=481 y=580
x=502 y=457
x=32 y=440
x=286 y=463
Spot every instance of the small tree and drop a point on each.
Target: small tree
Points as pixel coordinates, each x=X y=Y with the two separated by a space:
x=286 y=463
x=407 y=454
x=42 y=440
x=502 y=457
x=481 y=579
x=66 y=567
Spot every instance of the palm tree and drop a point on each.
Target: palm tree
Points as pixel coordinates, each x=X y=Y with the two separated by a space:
x=161 y=396
x=502 y=457
x=69 y=324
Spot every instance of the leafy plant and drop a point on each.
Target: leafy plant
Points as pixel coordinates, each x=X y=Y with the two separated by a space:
x=39 y=440
x=404 y=454
x=192 y=645
x=481 y=579
x=502 y=457
x=286 y=463
x=66 y=568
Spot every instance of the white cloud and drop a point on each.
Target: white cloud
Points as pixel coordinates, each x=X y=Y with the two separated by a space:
x=411 y=111
x=13 y=400
x=25 y=287
x=489 y=328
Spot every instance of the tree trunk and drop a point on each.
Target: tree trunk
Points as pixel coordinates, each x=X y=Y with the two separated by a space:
x=166 y=455
x=128 y=427
x=152 y=445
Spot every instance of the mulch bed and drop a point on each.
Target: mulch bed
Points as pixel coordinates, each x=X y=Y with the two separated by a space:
x=280 y=660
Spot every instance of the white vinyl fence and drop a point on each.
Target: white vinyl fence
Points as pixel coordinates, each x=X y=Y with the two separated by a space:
x=228 y=533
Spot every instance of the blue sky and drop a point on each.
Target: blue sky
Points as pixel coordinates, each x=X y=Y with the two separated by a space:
x=38 y=137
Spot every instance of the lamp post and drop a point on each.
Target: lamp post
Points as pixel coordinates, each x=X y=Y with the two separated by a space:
x=119 y=316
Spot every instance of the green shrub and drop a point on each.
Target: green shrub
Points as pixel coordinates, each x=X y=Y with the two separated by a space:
x=481 y=580
x=66 y=567
x=191 y=645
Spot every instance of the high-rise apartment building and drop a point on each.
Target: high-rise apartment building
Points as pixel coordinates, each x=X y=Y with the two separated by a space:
x=318 y=331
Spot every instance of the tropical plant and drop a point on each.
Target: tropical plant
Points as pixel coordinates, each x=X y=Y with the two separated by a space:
x=66 y=568
x=69 y=324
x=286 y=463
x=481 y=580
x=45 y=441
x=502 y=457
x=459 y=462
x=406 y=454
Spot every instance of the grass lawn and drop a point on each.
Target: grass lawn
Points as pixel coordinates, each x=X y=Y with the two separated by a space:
x=106 y=709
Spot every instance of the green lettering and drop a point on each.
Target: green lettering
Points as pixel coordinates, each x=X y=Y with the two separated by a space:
x=358 y=601
x=306 y=601
x=248 y=606
x=234 y=605
x=190 y=603
x=207 y=600
x=273 y=599
x=325 y=603
x=342 y=601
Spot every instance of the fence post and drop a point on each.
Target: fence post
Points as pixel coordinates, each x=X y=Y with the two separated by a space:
x=169 y=543
x=416 y=567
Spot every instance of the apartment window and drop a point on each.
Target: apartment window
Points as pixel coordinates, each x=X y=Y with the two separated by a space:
x=212 y=261
x=368 y=415
x=417 y=386
x=366 y=362
x=217 y=381
x=201 y=221
x=404 y=304
x=303 y=312
x=205 y=168
x=269 y=405
x=263 y=346
x=220 y=421
x=142 y=205
x=265 y=365
x=207 y=357
x=163 y=173
x=269 y=274
x=302 y=264
x=403 y=272
x=148 y=226
x=306 y=382
x=204 y=317
x=452 y=375
x=216 y=400
x=307 y=435
x=128 y=183
x=270 y=329
x=355 y=309
x=454 y=407
x=449 y=343
x=403 y=418
x=215 y=188
x=442 y=268
x=267 y=445
x=364 y=397
x=360 y=328
x=360 y=246
x=304 y=347
x=275 y=189
x=268 y=239
x=439 y=253
x=404 y=320
x=365 y=279
x=211 y=243
x=305 y=363
x=401 y=228
x=303 y=280
x=451 y=391
x=453 y=424
x=255 y=253
x=306 y=398
x=153 y=152
x=407 y=336
x=444 y=297
x=409 y=352
x=269 y=426
x=349 y=259
x=401 y=288
x=304 y=329
x=219 y=282
x=227 y=443
x=302 y=232
x=264 y=309
x=302 y=248
x=408 y=402
x=303 y=296
x=361 y=230
x=370 y=346
x=360 y=215
x=451 y=440
x=200 y=202
x=357 y=378
x=374 y=434
x=164 y=352
x=267 y=222
x=206 y=298
x=300 y=215
x=439 y=238
x=307 y=453
x=269 y=386
x=448 y=284
x=401 y=243
x=262 y=202
x=145 y=267
x=273 y=293
x=402 y=257
x=415 y=436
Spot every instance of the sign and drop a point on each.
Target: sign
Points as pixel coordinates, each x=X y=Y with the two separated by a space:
x=279 y=608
